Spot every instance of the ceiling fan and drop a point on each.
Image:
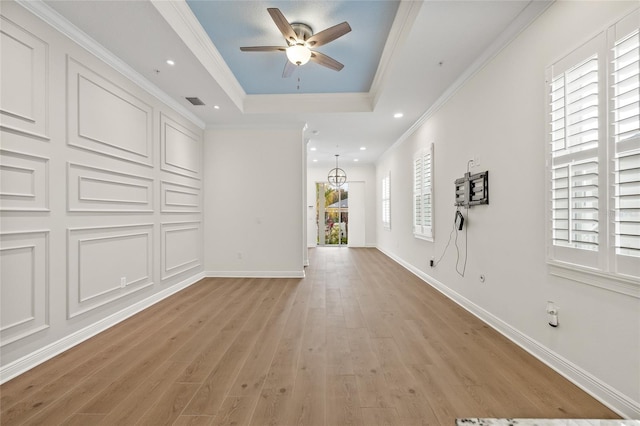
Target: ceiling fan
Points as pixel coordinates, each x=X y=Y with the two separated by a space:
x=300 y=40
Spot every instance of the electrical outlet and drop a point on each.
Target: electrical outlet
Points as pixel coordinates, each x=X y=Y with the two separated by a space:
x=552 y=314
x=123 y=282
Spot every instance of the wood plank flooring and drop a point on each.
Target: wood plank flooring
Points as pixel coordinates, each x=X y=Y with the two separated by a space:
x=359 y=341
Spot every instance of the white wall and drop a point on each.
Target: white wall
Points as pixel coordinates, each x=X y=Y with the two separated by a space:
x=360 y=173
x=499 y=116
x=99 y=181
x=254 y=202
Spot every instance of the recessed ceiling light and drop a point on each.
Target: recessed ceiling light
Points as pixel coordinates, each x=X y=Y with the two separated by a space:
x=362 y=148
x=313 y=148
x=398 y=115
x=315 y=160
x=170 y=62
x=355 y=159
x=216 y=107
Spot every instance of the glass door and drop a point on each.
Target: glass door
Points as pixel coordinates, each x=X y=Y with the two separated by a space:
x=332 y=214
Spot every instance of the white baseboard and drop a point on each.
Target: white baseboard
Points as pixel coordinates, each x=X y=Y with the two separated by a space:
x=612 y=398
x=255 y=274
x=19 y=366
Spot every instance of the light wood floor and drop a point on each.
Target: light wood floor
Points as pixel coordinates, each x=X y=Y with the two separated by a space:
x=360 y=341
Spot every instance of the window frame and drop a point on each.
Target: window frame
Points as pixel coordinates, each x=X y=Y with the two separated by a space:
x=605 y=268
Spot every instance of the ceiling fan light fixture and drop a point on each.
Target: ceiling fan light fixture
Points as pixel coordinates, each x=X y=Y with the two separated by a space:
x=298 y=54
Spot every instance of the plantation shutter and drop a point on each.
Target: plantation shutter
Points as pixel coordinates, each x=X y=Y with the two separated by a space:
x=625 y=131
x=574 y=153
x=593 y=155
x=417 y=194
x=423 y=193
x=386 y=202
x=427 y=205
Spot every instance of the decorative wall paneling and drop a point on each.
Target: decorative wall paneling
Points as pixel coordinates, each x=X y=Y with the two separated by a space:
x=24 y=293
x=106 y=119
x=181 y=247
x=79 y=157
x=106 y=264
x=181 y=149
x=23 y=182
x=91 y=189
x=23 y=105
x=178 y=198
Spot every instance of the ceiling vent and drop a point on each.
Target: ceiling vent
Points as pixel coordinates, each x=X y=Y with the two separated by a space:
x=195 y=101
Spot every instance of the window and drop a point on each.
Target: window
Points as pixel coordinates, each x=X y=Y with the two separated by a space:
x=386 y=201
x=594 y=154
x=423 y=193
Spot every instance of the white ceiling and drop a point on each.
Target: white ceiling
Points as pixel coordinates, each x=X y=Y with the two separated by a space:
x=428 y=49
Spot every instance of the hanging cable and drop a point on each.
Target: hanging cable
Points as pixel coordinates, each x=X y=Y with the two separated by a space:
x=466 y=248
x=453 y=229
x=466 y=239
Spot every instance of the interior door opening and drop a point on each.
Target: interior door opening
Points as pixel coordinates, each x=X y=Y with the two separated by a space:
x=332 y=214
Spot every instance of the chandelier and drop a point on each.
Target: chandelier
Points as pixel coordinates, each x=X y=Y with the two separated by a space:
x=337 y=177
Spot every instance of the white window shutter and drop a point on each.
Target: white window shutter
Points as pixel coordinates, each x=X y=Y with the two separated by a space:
x=574 y=154
x=386 y=201
x=593 y=154
x=625 y=131
x=417 y=194
x=423 y=193
x=427 y=192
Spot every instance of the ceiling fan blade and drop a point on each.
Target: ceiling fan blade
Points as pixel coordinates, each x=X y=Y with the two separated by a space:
x=328 y=35
x=326 y=61
x=289 y=68
x=263 y=48
x=283 y=25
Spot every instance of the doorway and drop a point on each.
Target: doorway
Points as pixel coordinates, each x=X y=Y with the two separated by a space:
x=332 y=214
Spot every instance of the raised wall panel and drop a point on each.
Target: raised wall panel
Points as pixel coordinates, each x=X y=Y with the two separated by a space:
x=106 y=119
x=91 y=189
x=98 y=260
x=24 y=284
x=23 y=182
x=23 y=86
x=180 y=247
x=181 y=149
x=177 y=198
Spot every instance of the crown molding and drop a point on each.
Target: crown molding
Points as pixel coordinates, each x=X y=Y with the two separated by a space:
x=308 y=102
x=402 y=24
x=181 y=19
x=521 y=22
x=296 y=126
x=61 y=24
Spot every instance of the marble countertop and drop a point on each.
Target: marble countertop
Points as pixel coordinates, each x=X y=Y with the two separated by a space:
x=545 y=422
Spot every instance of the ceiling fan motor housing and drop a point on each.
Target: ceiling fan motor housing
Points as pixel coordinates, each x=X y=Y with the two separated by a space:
x=303 y=32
